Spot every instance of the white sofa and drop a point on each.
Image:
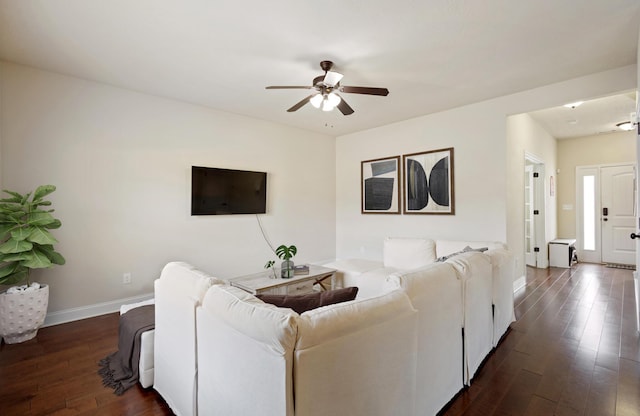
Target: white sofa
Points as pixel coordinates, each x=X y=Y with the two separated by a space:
x=245 y=361
x=178 y=292
x=475 y=272
x=434 y=292
x=399 y=350
x=355 y=358
x=487 y=287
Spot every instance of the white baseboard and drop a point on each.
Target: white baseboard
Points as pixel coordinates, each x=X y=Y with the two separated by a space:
x=75 y=314
x=519 y=283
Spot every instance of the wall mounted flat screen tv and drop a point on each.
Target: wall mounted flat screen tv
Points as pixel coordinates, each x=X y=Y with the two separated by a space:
x=217 y=191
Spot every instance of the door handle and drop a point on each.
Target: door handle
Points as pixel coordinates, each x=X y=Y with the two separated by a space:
x=634 y=236
x=605 y=211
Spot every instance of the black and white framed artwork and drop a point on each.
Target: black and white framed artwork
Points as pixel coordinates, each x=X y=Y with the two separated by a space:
x=380 y=189
x=428 y=182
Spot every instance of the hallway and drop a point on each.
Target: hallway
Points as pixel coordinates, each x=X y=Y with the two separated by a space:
x=574 y=349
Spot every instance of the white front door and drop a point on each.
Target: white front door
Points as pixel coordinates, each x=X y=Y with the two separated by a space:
x=618 y=214
x=606 y=202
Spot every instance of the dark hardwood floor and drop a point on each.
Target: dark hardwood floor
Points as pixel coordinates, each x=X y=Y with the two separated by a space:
x=56 y=374
x=574 y=350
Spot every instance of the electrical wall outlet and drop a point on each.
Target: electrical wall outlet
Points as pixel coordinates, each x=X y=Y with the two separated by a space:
x=126 y=278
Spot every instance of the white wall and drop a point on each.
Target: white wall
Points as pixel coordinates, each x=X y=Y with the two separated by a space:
x=528 y=137
x=121 y=161
x=602 y=149
x=488 y=172
x=479 y=181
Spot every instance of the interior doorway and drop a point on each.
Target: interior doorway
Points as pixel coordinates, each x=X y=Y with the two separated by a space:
x=534 y=212
x=606 y=215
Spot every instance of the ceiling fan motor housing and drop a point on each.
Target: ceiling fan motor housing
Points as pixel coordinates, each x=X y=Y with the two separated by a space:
x=326 y=65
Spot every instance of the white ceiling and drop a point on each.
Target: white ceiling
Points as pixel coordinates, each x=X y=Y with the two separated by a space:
x=590 y=118
x=432 y=55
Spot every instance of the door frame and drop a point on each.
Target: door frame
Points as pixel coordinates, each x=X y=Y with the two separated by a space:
x=539 y=204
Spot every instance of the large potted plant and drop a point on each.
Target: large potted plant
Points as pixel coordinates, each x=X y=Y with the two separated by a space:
x=25 y=244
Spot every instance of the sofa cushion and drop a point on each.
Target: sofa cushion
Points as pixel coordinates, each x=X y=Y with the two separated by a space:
x=354 y=266
x=303 y=303
x=408 y=253
x=371 y=283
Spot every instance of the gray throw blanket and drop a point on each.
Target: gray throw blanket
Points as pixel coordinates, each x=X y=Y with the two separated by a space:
x=120 y=369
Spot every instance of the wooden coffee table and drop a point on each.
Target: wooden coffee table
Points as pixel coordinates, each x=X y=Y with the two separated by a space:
x=264 y=283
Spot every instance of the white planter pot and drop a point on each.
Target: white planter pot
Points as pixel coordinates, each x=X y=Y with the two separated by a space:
x=22 y=314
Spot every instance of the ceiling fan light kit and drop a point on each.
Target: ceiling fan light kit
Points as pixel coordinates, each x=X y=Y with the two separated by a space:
x=326 y=86
x=325 y=101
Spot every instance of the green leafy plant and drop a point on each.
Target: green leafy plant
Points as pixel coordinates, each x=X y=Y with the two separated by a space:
x=286 y=253
x=25 y=240
x=270 y=265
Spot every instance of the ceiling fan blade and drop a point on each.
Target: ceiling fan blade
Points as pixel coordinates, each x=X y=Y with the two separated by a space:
x=300 y=104
x=332 y=78
x=288 y=87
x=364 y=90
x=344 y=107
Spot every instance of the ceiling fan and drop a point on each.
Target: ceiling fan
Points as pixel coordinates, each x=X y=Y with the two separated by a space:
x=325 y=91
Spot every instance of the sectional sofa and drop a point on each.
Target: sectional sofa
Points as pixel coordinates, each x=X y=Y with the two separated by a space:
x=406 y=350
x=405 y=254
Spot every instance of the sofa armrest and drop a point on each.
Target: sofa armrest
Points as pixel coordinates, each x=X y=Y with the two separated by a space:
x=245 y=355
x=178 y=292
x=504 y=271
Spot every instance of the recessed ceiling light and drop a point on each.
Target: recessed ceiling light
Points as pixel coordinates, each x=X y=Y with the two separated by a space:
x=572 y=122
x=574 y=105
x=625 y=125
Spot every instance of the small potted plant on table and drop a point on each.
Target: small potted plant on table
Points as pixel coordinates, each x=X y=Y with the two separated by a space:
x=286 y=253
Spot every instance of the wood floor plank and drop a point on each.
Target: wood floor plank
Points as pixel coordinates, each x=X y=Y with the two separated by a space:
x=518 y=396
x=576 y=389
x=539 y=406
x=628 y=391
x=602 y=395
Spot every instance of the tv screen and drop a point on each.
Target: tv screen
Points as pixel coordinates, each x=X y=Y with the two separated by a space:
x=217 y=191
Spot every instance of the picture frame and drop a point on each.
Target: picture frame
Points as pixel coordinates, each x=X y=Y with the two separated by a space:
x=428 y=182
x=380 y=186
